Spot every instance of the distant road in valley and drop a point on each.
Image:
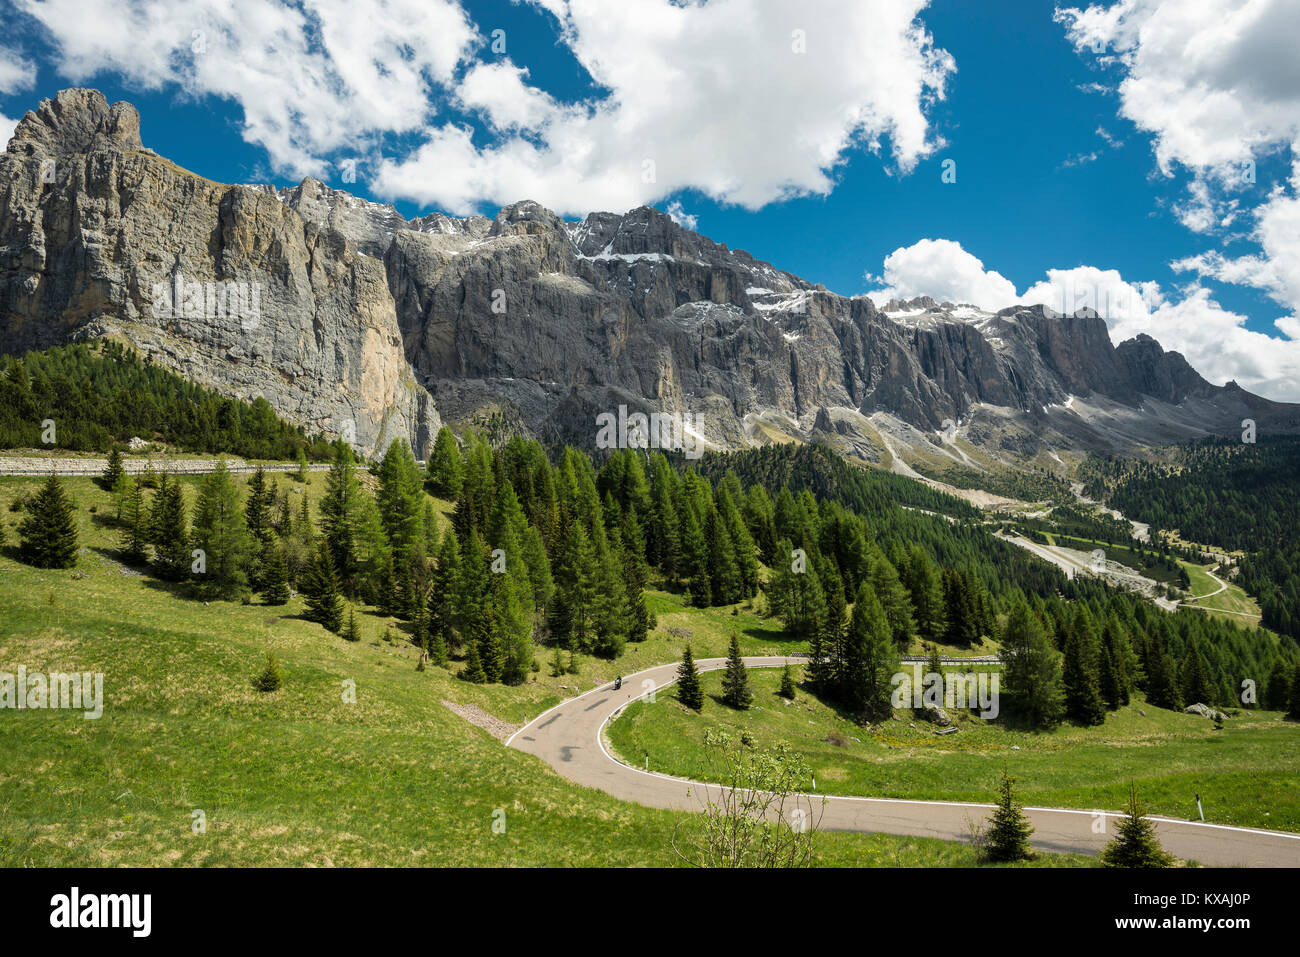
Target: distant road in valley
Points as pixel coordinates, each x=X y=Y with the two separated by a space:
x=569 y=737
x=69 y=467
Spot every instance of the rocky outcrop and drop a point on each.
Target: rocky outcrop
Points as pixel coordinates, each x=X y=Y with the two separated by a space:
x=223 y=284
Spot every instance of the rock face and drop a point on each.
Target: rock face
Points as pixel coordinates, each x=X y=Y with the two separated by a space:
x=98 y=235
x=349 y=313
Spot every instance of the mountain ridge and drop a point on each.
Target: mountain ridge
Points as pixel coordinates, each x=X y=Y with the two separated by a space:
x=384 y=325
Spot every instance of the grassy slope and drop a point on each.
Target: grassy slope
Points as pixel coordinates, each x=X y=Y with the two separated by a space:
x=298 y=776
x=1245 y=774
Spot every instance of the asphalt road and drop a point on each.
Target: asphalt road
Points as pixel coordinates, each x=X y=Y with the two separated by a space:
x=569 y=738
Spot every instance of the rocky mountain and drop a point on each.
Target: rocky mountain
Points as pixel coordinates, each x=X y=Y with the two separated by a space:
x=229 y=286
x=533 y=324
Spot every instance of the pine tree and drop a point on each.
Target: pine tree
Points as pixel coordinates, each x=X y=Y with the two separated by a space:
x=735 y=681
x=473 y=671
x=893 y=597
x=401 y=501
x=341 y=513
x=113 y=471
x=321 y=588
x=870 y=659
x=961 y=609
x=1031 y=670
x=270 y=679
x=135 y=518
x=257 y=513
x=787 y=683
x=1162 y=686
x=1194 y=681
x=274 y=577
x=301 y=474
x=1135 y=843
x=1008 y=837
x=350 y=631
x=438 y=649
x=1277 y=693
x=1083 y=702
x=121 y=494
x=923 y=585
x=169 y=531
x=487 y=635
x=689 y=690
x=47 y=535
x=1294 y=711
x=219 y=531
x=444 y=466
x=1108 y=682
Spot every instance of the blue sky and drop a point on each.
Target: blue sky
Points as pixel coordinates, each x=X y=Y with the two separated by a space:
x=1080 y=140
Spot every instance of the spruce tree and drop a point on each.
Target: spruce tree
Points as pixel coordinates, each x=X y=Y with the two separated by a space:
x=301 y=474
x=1294 y=711
x=1135 y=844
x=321 y=588
x=689 y=690
x=473 y=671
x=1108 y=682
x=1083 y=702
x=47 y=534
x=444 y=466
x=274 y=577
x=1277 y=693
x=787 y=683
x=735 y=681
x=169 y=531
x=894 y=599
x=870 y=660
x=1162 y=685
x=923 y=584
x=1031 y=670
x=351 y=632
x=113 y=471
x=135 y=518
x=438 y=649
x=219 y=530
x=1008 y=837
x=341 y=513
x=1194 y=681
x=270 y=679
x=487 y=635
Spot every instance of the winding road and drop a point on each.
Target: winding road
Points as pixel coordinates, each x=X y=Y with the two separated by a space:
x=569 y=737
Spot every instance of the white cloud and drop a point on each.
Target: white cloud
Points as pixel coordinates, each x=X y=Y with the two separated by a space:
x=1215 y=81
x=679 y=216
x=1217 y=84
x=710 y=97
x=713 y=95
x=941 y=269
x=311 y=82
x=17 y=73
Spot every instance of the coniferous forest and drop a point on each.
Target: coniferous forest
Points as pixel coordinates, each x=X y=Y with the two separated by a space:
x=557 y=551
x=102 y=394
x=1232 y=495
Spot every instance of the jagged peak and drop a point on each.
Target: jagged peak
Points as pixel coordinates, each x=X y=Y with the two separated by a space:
x=526 y=217
x=77 y=121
